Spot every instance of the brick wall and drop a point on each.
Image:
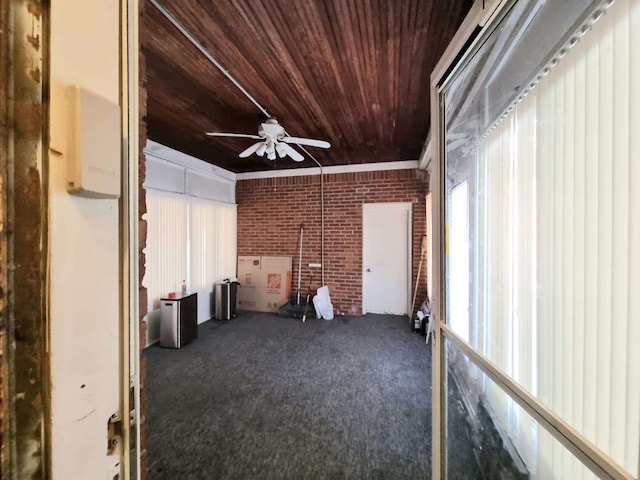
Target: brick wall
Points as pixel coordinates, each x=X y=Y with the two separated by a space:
x=270 y=212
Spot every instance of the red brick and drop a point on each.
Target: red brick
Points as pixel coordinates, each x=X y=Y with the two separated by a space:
x=268 y=224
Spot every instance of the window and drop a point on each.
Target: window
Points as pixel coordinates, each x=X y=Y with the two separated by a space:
x=458 y=244
x=191 y=239
x=542 y=156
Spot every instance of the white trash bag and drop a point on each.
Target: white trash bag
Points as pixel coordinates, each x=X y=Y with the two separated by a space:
x=322 y=304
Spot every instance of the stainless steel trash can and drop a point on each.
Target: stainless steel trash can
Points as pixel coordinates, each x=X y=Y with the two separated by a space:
x=224 y=300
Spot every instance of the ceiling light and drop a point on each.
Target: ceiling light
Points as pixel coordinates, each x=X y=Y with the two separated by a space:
x=261 y=149
x=270 y=147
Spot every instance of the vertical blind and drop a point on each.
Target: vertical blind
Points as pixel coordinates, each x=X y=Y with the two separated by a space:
x=166 y=249
x=189 y=239
x=213 y=242
x=557 y=249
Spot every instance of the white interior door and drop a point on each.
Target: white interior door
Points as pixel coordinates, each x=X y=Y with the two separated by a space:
x=386 y=257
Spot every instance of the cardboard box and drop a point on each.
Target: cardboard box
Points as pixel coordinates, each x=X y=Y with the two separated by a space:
x=276 y=274
x=265 y=283
x=248 y=276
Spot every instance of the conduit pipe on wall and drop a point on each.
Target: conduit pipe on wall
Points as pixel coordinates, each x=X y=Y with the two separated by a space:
x=210 y=57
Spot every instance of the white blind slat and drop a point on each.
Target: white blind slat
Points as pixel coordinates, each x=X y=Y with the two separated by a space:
x=632 y=410
x=603 y=256
x=620 y=228
x=591 y=200
x=580 y=218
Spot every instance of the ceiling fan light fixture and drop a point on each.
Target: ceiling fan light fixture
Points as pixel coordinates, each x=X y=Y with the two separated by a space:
x=271 y=149
x=271 y=155
x=261 y=149
x=282 y=151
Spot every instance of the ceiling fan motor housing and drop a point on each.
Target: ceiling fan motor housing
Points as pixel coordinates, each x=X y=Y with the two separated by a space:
x=271 y=128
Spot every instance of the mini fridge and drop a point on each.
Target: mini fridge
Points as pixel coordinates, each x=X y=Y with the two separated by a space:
x=178 y=320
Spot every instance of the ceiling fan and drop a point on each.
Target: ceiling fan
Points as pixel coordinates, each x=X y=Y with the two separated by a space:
x=273 y=140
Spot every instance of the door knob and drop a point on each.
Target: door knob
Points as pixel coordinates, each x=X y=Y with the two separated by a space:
x=368 y=269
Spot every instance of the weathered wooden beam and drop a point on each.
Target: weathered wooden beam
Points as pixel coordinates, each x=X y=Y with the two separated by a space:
x=24 y=261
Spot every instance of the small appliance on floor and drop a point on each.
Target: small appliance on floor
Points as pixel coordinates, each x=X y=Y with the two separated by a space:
x=178 y=320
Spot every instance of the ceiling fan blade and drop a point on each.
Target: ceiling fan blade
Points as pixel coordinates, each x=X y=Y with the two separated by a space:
x=238 y=135
x=250 y=150
x=292 y=153
x=307 y=141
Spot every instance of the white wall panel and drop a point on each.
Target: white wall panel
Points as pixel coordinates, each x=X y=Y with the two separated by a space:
x=163 y=175
x=84 y=256
x=172 y=171
x=207 y=186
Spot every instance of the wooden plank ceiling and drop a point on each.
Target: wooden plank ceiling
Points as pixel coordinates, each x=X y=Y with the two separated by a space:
x=352 y=72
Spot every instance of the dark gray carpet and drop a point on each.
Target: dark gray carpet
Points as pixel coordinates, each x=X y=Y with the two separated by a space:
x=268 y=397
